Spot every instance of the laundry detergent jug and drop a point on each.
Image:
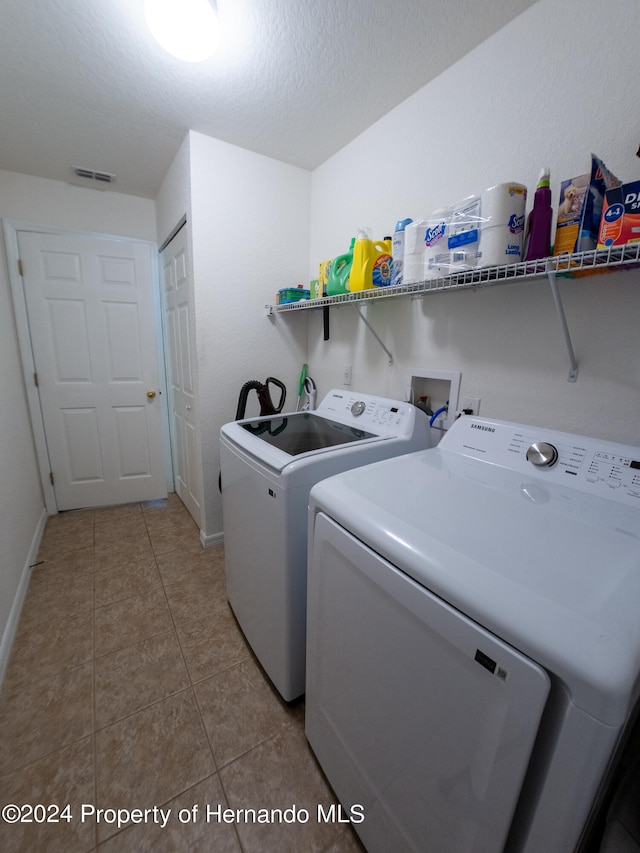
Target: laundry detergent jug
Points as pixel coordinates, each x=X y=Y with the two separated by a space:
x=372 y=262
x=338 y=280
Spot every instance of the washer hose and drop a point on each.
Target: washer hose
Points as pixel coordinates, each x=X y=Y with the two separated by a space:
x=437 y=413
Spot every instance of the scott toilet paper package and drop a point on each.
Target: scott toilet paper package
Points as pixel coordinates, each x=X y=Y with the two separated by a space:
x=482 y=230
x=426 y=250
x=464 y=234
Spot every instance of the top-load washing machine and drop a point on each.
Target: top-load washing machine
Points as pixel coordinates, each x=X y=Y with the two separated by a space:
x=268 y=466
x=473 y=643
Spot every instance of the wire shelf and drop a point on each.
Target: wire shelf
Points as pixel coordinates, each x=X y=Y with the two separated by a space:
x=569 y=265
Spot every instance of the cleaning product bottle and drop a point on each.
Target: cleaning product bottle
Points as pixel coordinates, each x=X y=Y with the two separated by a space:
x=338 y=279
x=361 y=277
x=538 y=231
x=371 y=265
x=398 y=250
x=382 y=271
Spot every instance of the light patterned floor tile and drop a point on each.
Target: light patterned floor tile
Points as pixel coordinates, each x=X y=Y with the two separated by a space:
x=197 y=596
x=181 y=565
x=151 y=757
x=130 y=621
x=65 y=777
x=240 y=710
x=132 y=678
x=125 y=549
x=110 y=531
x=49 y=648
x=281 y=773
x=212 y=644
x=125 y=581
x=44 y=715
x=189 y=827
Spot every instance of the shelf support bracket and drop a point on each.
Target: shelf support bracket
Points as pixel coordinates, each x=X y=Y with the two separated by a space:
x=551 y=275
x=374 y=333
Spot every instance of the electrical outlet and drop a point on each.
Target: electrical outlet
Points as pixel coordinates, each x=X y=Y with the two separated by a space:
x=472 y=403
x=346 y=375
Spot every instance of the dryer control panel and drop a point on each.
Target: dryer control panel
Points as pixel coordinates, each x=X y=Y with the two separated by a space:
x=596 y=467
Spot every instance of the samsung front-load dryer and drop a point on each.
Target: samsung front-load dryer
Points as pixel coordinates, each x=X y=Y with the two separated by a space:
x=268 y=466
x=474 y=638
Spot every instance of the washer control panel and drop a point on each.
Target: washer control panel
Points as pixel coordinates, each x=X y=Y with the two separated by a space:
x=588 y=464
x=373 y=414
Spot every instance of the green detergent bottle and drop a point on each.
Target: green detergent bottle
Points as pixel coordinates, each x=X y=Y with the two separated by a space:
x=338 y=280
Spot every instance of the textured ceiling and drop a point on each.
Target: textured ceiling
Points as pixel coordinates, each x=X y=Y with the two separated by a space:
x=82 y=83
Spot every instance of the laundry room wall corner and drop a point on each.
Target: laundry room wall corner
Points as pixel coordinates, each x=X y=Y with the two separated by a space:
x=249 y=237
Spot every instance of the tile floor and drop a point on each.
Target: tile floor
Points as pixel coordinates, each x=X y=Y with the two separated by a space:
x=130 y=686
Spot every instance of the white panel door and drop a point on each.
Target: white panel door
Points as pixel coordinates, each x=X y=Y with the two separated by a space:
x=91 y=320
x=180 y=346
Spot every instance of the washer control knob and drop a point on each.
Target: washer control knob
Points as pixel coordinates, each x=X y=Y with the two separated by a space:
x=542 y=454
x=358 y=408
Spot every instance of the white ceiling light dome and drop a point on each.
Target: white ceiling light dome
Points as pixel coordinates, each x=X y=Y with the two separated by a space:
x=187 y=29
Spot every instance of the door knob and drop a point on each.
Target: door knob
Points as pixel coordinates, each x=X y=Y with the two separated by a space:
x=151 y=394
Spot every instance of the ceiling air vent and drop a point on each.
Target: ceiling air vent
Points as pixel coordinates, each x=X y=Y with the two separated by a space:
x=94 y=175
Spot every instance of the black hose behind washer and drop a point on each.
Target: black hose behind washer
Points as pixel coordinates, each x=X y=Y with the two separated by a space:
x=264 y=397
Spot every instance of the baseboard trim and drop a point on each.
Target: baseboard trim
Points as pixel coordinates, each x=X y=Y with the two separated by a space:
x=210 y=541
x=11 y=627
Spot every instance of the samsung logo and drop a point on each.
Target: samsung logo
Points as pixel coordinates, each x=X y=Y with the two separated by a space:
x=483 y=428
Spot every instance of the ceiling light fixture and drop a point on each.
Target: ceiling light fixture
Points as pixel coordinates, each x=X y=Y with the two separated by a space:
x=187 y=29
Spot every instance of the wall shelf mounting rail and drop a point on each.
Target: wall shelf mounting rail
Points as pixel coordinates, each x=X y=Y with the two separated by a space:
x=563 y=265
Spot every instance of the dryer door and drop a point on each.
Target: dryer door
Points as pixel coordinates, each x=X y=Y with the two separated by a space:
x=416 y=714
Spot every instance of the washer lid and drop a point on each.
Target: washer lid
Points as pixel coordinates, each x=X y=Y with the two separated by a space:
x=295 y=438
x=342 y=420
x=553 y=571
x=303 y=432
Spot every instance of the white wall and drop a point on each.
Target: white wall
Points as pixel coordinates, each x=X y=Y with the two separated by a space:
x=557 y=83
x=250 y=237
x=56 y=205
x=173 y=201
x=64 y=206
